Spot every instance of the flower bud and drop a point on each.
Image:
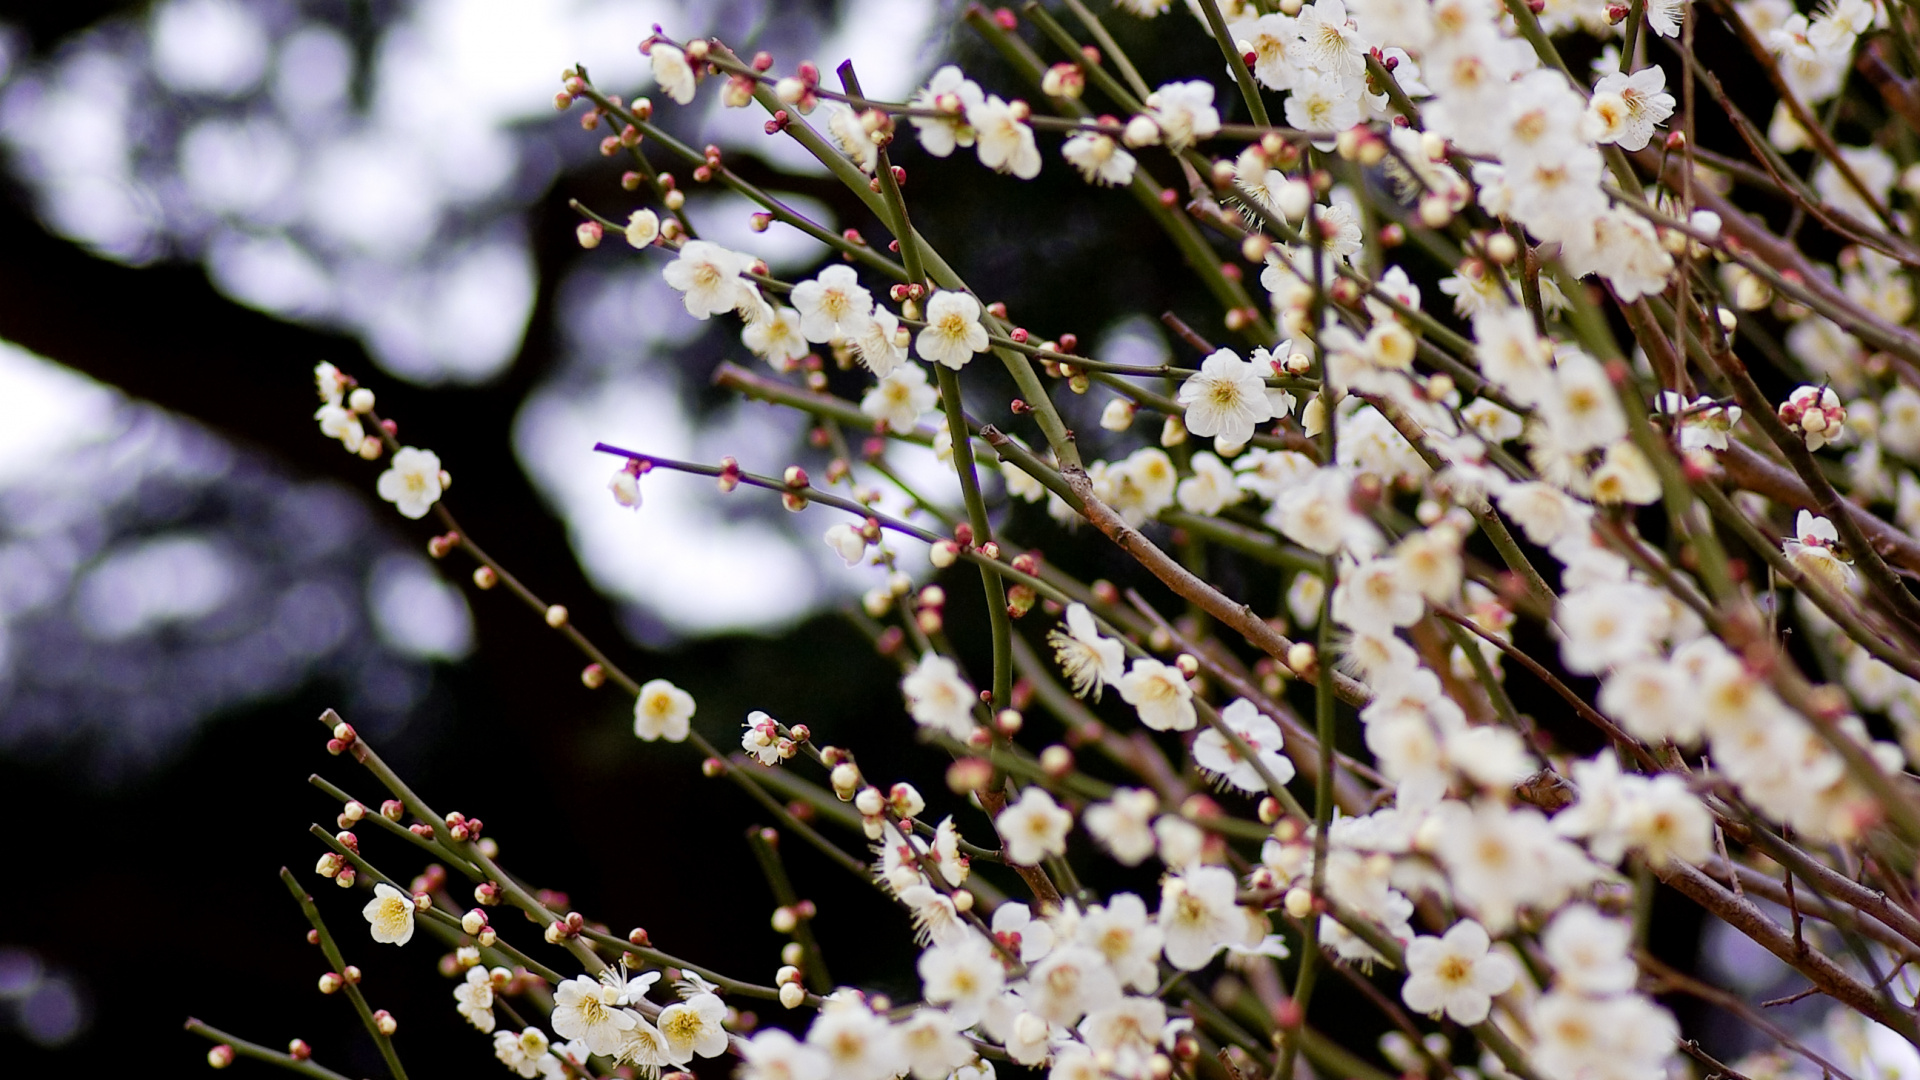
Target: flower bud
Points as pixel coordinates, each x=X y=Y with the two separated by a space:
x=1304 y=661
x=589 y=234
x=484 y=577
x=556 y=616
x=969 y=775
x=845 y=778
x=905 y=800
x=870 y=802
x=220 y=1056
x=943 y=554
x=331 y=983
x=793 y=995
x=384 y=1020
x=1172 y=432
x=785 y=921
x=1141 y=131
x=1056 y=761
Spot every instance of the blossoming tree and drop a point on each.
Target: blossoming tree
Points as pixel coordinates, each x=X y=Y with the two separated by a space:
x=1570 y=473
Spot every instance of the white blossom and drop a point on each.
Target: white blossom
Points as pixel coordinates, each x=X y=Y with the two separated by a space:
x=1198 y=916
x=672 y=72
x=833 y=304
x=1227 y=398
x=1212 y=751
x=1160 y=694
x=953 y=332
x=1456 y=974
x=693 y=1027
x=710 y=278
x=900 y=398
x=1089 y=660
x=662 y=711
x=1034 y=828
x=1002 y=138
x=389 y=915
x=586 y=1009
x=938 y=698
x=412 y=483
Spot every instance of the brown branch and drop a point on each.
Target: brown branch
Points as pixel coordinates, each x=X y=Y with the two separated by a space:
x=1833 y=980
x=1190 y=587
x=1747 y=468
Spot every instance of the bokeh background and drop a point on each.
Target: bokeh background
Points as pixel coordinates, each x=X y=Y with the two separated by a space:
x=199 y=199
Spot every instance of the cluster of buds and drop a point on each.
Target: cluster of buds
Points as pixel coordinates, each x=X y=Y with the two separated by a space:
x=930 y=608
x=844 y=775
x=566 y=928
x=331 y=865
x=1064 y=81
x=902 y=801
x=787 y=917
x=789 y=979
x=343 y=737
x=1815 y=414
x=463 y=827
x=799 y=89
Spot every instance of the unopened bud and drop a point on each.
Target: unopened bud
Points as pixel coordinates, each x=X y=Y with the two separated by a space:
x=1056 y=761
x=1304 y=661
x=845 y=779
x=793 y=995
x=220 y=1056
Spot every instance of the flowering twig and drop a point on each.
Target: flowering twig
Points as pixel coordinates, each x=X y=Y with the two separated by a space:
x=242 y=1048
x=348 y=983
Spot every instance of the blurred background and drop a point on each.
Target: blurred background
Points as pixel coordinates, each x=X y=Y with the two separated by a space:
x=199 y=199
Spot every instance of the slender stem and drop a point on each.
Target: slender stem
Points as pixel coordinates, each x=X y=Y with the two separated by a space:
x=1109 y=48
x=245 y=1049
x=1249 y=89
x=766 y=850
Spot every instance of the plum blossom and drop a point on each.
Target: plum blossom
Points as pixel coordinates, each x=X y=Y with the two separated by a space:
x=586 y=1009
x=1227 y=398
x=710 y=278
x=1004 y=141
x=662 y=711
x=413 y=482
x=1160 y=694
x=1815 y=550
x=1212 y=751
x=1089 y=660
x=1456 y=974
x=938 y=698
x=953 y=332
x=939 y=135
x=389 y=915
x=1034 y=828
x=672 y=72
x=900 y=398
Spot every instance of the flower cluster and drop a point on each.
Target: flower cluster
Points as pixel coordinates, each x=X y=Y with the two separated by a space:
x=1486 y=633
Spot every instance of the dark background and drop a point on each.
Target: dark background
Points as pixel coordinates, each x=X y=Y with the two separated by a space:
x=155 y=892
